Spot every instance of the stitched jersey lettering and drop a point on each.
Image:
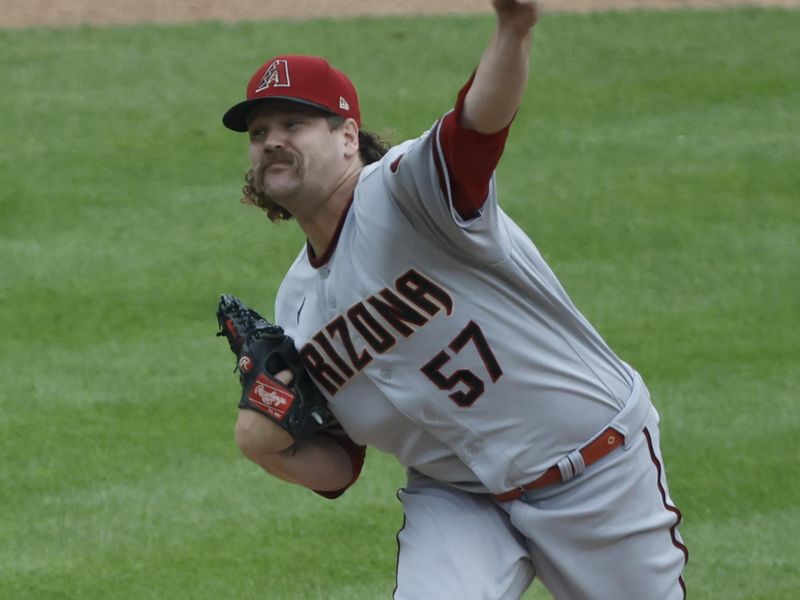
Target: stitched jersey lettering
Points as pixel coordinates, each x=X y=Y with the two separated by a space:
x=396 y=312
x=375 y=334
x=424 y=293
x=320 y=370
x=338 y=327
x=405 y=310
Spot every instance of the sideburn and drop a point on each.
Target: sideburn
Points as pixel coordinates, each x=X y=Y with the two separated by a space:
x=254 y=193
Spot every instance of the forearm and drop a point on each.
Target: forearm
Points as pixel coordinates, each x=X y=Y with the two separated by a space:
x=320 y=463
x=502 y=72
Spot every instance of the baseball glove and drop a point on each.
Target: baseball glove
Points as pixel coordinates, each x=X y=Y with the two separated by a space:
x=262 y=350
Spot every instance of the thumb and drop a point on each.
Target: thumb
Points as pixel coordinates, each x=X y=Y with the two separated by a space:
x=284 y=376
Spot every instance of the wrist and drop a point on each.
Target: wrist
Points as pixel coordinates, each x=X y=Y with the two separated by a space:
x=258 y=436
x=515 y=30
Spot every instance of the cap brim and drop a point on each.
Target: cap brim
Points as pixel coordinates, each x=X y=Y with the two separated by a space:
x=235 y=118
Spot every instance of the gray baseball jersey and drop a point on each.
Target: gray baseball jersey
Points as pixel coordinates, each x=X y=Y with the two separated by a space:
x=446 y=342
x=439 y=334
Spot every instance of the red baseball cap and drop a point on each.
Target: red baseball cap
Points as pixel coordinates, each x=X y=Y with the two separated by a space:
x=309 y=80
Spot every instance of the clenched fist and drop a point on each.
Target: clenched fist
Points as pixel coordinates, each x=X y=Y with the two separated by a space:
x=522 y=16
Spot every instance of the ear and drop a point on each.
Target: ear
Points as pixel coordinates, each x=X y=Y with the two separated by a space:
x=350 y=133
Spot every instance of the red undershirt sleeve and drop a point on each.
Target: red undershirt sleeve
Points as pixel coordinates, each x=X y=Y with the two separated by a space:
x=471 y=158
x=356 y=454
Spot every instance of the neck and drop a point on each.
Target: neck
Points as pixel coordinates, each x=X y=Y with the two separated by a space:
x=320 y=225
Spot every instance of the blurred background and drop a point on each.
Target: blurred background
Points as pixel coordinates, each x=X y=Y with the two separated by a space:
x=654 y=162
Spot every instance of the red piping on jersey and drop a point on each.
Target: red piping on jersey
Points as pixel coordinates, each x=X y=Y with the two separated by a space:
x=471 y=158
x=397 y=563
x=322 y=260
x=670 y=508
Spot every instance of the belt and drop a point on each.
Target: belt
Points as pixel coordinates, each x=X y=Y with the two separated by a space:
x=592 y=452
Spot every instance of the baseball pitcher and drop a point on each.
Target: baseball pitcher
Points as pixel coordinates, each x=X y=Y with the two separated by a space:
x=419 y=319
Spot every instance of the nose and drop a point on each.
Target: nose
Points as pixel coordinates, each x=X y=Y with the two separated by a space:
x=273 y=140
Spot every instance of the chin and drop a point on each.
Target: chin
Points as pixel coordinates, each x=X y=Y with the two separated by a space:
x=280 y=186
x=281 y=194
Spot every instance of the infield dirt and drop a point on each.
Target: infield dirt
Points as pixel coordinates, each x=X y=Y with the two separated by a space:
x=24 y=13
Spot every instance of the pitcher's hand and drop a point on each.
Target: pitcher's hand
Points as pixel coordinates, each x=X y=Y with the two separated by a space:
x=520 y=15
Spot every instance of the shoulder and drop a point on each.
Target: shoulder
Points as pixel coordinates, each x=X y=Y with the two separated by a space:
x=389 y=161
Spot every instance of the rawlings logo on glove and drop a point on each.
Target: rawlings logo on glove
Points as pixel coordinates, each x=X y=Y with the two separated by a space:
x=270 y=397
x=262 y=351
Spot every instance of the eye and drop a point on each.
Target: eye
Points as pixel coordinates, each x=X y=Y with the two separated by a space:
x=256 y=133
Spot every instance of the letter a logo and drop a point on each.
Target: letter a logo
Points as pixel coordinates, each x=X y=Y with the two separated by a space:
x=277 y=75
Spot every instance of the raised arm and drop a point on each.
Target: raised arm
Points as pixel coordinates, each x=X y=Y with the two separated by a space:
x=473 y=135
x=502 y=72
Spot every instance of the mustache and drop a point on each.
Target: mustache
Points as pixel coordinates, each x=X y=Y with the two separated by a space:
x=278 y=156
x=275 y=157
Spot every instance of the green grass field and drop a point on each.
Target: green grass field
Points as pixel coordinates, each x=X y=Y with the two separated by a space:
x=655 y=162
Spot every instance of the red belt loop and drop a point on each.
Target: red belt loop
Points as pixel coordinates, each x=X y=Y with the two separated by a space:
x=602 y=445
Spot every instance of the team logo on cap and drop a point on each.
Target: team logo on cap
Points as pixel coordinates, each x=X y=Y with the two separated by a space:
x=343 y=104
x=276 y=75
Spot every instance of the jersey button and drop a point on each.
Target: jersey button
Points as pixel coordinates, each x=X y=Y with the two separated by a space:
x=429 y=416
x=386 y=374
x=331 y=302
x=473 y=449
x=324 y=272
